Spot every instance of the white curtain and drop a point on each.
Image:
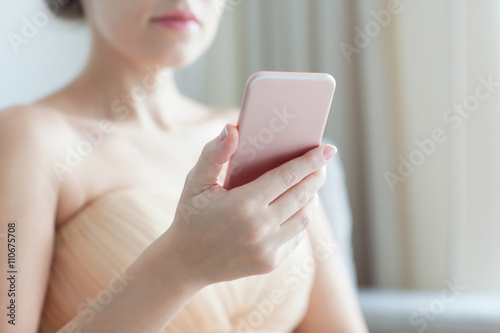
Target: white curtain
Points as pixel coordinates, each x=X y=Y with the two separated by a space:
x=445 y=213
x=437 y=219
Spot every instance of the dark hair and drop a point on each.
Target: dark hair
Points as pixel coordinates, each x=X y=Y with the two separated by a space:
x=68 y=9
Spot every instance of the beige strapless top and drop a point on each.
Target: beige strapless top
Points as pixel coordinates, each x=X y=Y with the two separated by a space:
x=94 y=247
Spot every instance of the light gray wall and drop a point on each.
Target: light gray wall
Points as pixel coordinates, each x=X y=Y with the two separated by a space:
x=45 y=59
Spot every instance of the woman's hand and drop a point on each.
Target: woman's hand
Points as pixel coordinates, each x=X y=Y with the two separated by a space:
x=216 y=235
x=221 y=235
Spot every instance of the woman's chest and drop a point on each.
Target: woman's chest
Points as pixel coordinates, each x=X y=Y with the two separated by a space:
x=161 y=163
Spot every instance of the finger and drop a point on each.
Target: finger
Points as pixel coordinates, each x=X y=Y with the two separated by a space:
x=295 y=198
x=291 y=245
x=299 y=221
x=274 y=183
x=212 y=159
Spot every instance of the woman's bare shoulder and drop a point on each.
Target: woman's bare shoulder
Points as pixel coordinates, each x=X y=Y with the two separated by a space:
x=33 y=116
x=33 y=127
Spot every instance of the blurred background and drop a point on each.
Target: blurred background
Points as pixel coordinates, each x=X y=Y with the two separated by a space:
x=415 y=117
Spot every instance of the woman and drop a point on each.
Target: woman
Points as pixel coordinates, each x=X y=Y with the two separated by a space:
x=112 y=232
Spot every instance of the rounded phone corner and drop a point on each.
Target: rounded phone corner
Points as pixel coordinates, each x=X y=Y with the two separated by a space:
x=326 y=77
x=330 y=78
x=255 y=76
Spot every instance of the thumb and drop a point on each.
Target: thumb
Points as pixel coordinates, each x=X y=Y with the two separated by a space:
x=213 y=157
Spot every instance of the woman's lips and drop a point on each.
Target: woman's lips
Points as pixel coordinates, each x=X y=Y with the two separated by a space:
x=178 y=20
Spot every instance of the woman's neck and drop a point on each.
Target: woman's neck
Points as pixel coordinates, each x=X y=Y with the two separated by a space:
x=120 y=89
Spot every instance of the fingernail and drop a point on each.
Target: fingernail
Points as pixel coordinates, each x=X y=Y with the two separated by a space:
x=329 y=152
x=223 y=134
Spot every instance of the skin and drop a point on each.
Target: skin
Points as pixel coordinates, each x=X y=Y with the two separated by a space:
x=155 y=143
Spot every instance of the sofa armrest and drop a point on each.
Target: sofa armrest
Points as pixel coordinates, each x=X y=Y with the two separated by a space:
x=396 y=311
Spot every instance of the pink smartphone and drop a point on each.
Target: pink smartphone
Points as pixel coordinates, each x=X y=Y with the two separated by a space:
x=283 y=115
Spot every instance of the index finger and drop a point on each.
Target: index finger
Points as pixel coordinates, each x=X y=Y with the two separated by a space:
x=275 y=182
